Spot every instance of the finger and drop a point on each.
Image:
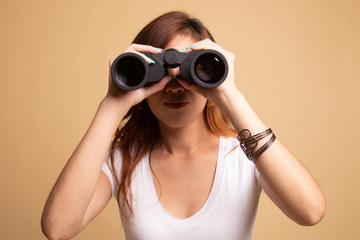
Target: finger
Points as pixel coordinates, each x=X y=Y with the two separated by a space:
x=208 y=44
x=147 y=59
x=139 y=49
x=144 y=48
x=201 y=45
x=156 y=87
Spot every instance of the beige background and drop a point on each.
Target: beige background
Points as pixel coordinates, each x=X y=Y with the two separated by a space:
x=297 y=62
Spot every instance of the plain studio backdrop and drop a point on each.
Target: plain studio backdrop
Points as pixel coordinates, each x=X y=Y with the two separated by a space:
x=297 y=62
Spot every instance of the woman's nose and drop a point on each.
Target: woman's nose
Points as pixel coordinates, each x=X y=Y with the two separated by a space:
x=173 y=72
x=173 y=86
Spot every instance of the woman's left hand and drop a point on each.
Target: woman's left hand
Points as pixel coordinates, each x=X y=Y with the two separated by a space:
x=228 y=87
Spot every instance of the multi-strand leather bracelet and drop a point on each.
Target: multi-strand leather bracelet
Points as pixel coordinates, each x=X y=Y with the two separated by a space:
x=248 y=143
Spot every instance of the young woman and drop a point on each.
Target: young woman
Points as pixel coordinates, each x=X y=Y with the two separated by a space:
x=175 y=165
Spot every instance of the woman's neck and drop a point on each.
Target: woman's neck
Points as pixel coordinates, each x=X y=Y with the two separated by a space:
x=186 y=140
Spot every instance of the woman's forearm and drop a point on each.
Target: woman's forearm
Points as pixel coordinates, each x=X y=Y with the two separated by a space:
x=284 y=179
x=72 y=192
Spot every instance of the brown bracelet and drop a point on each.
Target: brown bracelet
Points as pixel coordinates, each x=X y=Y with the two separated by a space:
x=248 y=143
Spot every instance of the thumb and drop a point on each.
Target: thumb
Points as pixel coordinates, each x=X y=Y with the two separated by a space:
x=156 y=87
x=189 y=85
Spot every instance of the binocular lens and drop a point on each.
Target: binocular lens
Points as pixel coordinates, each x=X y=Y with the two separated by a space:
x=130 y=71
x=209 y=68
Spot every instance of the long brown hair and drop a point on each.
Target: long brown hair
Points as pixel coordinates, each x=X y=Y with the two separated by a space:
x=139 y=133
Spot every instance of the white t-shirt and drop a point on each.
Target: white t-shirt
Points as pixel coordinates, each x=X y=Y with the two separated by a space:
x=228 y=213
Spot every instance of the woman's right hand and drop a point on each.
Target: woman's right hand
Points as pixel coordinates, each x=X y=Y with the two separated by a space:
x=134 y=97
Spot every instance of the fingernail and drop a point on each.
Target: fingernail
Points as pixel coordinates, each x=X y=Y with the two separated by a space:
x=152 y=61
x=190 y=47
x=160 y=49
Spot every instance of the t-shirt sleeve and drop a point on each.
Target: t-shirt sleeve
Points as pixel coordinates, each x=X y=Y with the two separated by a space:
x=107 y=169
x=257 y=177
x=250 y=166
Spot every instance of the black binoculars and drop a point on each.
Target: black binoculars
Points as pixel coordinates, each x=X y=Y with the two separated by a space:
x=207 y=68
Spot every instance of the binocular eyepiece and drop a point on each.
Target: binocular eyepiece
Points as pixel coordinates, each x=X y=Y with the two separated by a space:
x=207 y=68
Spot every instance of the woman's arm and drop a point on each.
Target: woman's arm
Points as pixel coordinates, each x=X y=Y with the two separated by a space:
x=82 y=190
x=288 y=184
x=67 y=208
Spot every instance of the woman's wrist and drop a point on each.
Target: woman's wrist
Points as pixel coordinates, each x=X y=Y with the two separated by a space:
x=227 y=100
x=113 y=109
x=235 y=106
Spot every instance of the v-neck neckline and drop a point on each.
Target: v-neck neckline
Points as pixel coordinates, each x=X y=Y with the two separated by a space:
x=208 y=205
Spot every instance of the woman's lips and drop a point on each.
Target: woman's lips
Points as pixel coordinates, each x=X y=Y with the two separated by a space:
x=175 y=105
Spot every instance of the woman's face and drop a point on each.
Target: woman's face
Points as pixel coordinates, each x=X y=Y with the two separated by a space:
x=174 y=106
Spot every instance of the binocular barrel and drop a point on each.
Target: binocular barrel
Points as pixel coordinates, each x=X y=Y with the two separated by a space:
x=207 y=68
